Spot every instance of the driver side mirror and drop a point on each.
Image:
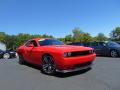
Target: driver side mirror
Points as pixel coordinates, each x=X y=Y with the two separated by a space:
x=31 y=45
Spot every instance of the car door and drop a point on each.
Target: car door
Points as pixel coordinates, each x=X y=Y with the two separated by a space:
x=35 y=53
x=28 y=49
x=104 y=49
x=96 y=47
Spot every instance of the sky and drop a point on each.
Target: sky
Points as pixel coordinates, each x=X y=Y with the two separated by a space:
x=59 y=17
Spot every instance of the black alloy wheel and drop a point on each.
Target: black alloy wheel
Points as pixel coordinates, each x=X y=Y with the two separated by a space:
x=21 y=59
x=114 y=53
x=48 y=65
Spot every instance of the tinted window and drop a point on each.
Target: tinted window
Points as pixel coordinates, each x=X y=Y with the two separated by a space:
x=76 y=43
x=31 y=42
x=86 y=44
x=50 y=42
x=94 y=44
x=102 y=43
x=112 y=44
x=27 y=43
x=34 y=43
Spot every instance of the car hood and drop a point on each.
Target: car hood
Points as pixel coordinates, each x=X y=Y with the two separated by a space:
x=69 y=48
x=116 y=46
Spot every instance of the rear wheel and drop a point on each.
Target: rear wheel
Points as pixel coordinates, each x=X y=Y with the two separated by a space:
x=48 y=65
x=21 y=59
x=6 y=56
x=114 y=53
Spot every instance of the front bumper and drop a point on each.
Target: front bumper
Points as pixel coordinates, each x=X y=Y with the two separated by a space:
x=76 y=63
x=75 y=69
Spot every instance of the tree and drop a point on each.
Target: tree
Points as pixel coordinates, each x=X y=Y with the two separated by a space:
x=14 y=41
x=77 y=35
x=86 y=37
x=100 y=37
x=11 y=42
x=61 y=39
x=2 y=37
x=80 y=36
x=115 y=34
x=68 y=38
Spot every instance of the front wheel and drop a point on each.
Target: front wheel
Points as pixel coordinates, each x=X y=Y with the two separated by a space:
x=48 y=65
x=114 y=53
x=21 y=59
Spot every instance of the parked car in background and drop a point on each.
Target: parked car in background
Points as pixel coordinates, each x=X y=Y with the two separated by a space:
x=108 y=48
x=7 y=54
x=118 y=42
x=53 y=55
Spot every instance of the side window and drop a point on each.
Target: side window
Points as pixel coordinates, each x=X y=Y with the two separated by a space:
x=27 y=43
x=77 y=44
x=45 y=42
x=31 y=42
x=102 y=44
x=34 y=43
x=94 y=44
x=88 y=44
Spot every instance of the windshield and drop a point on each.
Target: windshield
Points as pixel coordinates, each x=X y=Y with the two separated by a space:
x=113 y=44
x=50 y=42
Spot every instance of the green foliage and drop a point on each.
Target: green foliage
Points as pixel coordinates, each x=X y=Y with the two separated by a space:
x=80 y=36
x=68 y=38
x=14 y=41
x=100 y=37
x=86 y=37
x=2 y=37
x=115 y=34
x=61 y=39
x=77 y=35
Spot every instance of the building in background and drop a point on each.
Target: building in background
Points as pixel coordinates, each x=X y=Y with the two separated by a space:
x=2 y=46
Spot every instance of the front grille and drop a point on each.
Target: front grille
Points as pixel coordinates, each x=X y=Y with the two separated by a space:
x=80 y=53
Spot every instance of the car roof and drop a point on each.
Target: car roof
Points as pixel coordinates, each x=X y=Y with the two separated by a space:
x=39 y=38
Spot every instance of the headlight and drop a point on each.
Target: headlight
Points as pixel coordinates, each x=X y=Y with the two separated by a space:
x=91 y=51
x=67 y=54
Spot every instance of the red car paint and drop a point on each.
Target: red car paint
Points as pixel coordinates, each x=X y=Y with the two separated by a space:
x=34 y=54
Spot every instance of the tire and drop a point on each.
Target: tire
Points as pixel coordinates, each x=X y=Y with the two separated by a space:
x=114 y=53
x=6 y=56
x=21 y=59
x=48 y=65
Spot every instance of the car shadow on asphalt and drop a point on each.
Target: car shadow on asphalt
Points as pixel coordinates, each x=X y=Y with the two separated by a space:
x=70 y=74
x=59 y=74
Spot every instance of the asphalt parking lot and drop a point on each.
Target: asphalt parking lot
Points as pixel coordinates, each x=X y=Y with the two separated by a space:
x=104 y=75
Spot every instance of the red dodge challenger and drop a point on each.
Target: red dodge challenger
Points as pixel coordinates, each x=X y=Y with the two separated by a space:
x=54 y=55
